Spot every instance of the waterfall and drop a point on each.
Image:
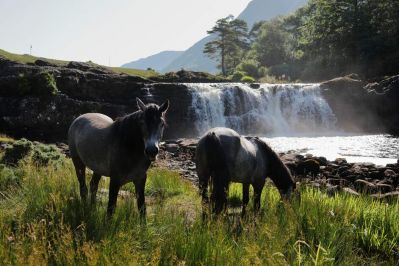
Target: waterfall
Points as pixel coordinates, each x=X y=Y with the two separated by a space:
x=270 y=109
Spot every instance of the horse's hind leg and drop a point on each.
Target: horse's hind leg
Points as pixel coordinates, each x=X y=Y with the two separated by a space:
x=219 y=193
x=203 y=180
x=94 y=187
x=80 y=169
x=245 y=197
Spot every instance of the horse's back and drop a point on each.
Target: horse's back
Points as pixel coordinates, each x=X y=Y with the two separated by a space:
x=239 y=154
x=89 y=138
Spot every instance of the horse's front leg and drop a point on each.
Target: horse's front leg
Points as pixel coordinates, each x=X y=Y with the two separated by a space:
x=245 y=198
x=114 y=187
x=140 y=197
x=258 y=187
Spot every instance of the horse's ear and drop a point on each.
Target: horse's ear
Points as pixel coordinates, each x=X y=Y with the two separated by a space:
x=140 y=104
x=164 y=107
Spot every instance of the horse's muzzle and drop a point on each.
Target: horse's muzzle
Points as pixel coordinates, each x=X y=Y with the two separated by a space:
x=151 y=152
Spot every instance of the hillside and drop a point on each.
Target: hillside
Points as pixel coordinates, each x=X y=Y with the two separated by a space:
x=257 y=10
x=157 y=62
x=25 y=58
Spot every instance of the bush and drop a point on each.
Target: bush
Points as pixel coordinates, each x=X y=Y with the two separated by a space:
x=237 y=76
x=247 y=79
x=39 y=84
x=17 y=151
x=44 y=154
x=250 y=67
x=44 y=84
x=39 y=153
x=9 y=177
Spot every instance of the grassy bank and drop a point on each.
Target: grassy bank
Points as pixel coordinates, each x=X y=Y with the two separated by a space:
x=25 y=58
x=43 y=221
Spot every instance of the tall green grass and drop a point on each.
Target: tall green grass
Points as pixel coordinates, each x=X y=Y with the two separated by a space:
x=43 y=221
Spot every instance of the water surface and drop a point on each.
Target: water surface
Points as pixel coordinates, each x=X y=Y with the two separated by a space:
x=378 y=149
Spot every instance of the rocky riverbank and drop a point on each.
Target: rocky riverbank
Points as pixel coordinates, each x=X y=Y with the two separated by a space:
x=380 y=182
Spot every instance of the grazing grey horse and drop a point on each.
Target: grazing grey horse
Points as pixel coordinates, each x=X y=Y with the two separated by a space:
x=122 y=149
x=225 y=156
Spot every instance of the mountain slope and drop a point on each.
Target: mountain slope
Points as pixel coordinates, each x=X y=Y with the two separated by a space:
x=157 y=61
x=257 y=10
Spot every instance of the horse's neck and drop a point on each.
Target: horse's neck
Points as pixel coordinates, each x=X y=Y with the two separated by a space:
x=129 y=134
x=274 y=167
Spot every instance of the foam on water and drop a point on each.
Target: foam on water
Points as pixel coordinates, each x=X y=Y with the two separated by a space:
x=278 y=109
x=282 y=112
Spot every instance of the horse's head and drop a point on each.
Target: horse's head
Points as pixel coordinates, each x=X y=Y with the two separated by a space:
x=152 y=124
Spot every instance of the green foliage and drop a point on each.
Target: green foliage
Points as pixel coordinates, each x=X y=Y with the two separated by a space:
x=40 y=154
x=237 y=75
x=17 y=151
x=43 y=221
x=272 y=43
x=149 y=73
x=44 y=84
x=324 y=39
x=39 y=84
x=247 y=79
x=229 y=44
x=25 y=58
x=44 y=154
x=9 y=177
x=251 y=67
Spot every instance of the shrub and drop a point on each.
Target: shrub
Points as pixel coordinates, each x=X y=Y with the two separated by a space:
x=250 y=67
x=237 y=75
x=44 y=84
x=40 y=154
x=247 y=79
x=9 y=177
x=39 y=84
x=44 y=154
x=17 y=151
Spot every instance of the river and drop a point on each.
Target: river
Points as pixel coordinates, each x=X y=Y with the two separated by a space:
x=289 y=117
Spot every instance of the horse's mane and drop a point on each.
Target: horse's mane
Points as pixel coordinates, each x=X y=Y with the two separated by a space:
x=127 y=129
x=277 y=171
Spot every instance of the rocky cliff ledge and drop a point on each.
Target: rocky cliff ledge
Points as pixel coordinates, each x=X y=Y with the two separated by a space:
x=362 y=106
x=40 y=100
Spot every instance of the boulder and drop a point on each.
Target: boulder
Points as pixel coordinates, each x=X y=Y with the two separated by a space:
x=309 y=166
x=350 y=191
x=171 y=147
x=390 y=196
x=365 y=186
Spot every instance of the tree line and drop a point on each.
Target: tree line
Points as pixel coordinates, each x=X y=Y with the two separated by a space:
x=321 y=40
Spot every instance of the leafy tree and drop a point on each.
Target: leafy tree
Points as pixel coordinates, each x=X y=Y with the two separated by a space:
x=271 y=43
x=229 y=44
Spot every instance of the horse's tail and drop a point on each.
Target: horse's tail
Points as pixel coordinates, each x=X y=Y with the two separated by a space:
x=216 y=160
x=277 y=170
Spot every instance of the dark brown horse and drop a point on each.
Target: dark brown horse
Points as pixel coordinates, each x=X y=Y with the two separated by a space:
x=121 y=149
x=224 y=156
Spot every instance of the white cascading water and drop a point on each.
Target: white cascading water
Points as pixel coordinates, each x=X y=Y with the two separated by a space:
x=271 y=109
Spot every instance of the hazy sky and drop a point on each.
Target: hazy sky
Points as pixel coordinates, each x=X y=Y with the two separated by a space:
x=115 y=31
